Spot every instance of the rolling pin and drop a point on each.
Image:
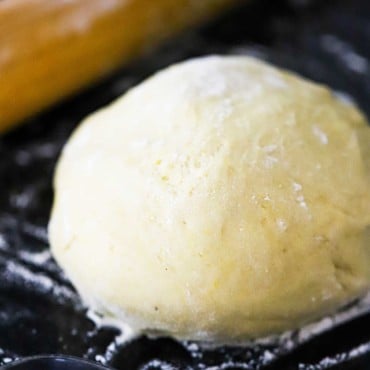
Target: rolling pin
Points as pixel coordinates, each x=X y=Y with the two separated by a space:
x=50 y=49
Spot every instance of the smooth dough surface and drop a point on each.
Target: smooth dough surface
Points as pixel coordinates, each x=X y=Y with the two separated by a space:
x=221 y=199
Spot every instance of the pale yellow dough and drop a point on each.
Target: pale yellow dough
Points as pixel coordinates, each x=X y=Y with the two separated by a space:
x=222 y=199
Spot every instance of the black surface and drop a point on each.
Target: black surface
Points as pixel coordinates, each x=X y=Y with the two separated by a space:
x=328 y=41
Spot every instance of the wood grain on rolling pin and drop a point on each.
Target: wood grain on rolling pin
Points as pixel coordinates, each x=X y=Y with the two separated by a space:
x=50 y=49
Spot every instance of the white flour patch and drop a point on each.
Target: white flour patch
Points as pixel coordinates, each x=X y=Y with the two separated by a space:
x=344 y=97
x=297 y=187
x=36 y=258
x=270 y=161
x=321 y=135
x=345 y=53
x=282 y=225
x=40 y=281
x=3 y=243
x=276 y=81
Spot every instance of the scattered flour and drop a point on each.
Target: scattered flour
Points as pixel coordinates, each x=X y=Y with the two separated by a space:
x=323 y=138
x=345 y=53
x=282 y=225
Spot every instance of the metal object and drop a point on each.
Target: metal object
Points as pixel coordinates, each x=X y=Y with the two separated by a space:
x=53 y=363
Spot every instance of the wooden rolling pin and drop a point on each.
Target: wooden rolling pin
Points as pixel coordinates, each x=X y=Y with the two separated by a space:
x=50 y=49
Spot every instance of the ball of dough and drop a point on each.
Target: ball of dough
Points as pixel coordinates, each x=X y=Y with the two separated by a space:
x=221 y=199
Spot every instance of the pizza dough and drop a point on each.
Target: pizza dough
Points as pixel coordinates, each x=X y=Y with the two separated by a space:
x=222 y=199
